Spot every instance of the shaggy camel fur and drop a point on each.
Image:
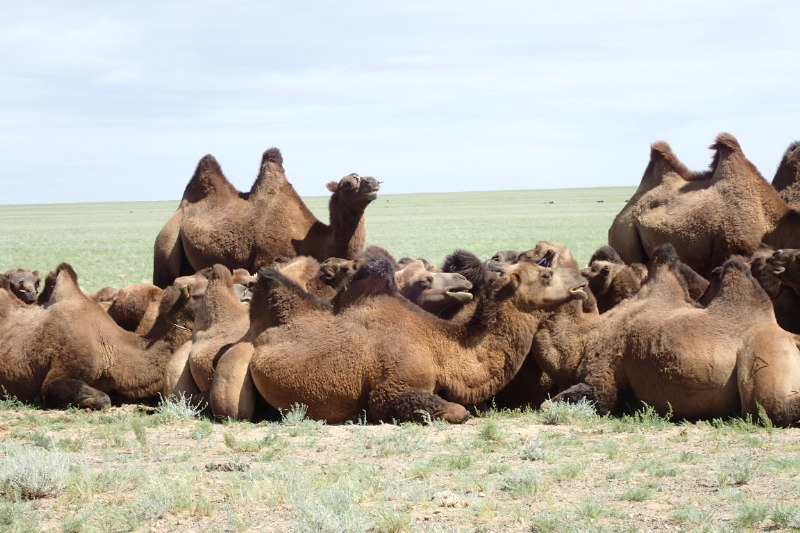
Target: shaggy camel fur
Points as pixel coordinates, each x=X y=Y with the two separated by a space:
x=558 y=343
x=24 y=284
x=663 y=349
x=221 y=321
x=787 y=177
x=70 y=351
x=442 y=293
x=215 y=223
x=783 y=269
x=380 y=354
x=135 y=307
x=708 y=216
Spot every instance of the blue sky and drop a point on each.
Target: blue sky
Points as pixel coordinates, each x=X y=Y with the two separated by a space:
x=110 y=102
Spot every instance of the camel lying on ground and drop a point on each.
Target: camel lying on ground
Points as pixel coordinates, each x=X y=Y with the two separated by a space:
x=216 y=223
x=24 y=284
x=443 y=294
x=662 y=348
x=376 y=352
x=70 y=352
x=707 y=216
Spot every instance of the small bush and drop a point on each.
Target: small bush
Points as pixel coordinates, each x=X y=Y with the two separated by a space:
x=786 y=517
x=738 y=470
x=751 y=514
x=564 y=413
x=532 y=449
x=636 y=495
x=490 y=431
x=31 y=473
x=137 y=425
x=521 y=483
x=178 y=409
x=295 y=415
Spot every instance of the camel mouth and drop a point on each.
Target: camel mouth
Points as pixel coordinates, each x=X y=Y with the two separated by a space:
x=460 y=294
x=777 y=270
x=579 y=293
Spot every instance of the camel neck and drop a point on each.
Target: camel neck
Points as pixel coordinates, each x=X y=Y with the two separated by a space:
x=485 y=361
x=786 y=233
x=348 y=229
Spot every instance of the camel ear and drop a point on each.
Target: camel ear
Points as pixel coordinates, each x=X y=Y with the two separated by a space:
x=35 y=272
x=187 y=290
x=401 y=281
x=332 y=186
x=516 y=279
x=606 y=268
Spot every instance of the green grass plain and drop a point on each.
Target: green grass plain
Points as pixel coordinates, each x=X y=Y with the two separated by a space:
x=111 y=244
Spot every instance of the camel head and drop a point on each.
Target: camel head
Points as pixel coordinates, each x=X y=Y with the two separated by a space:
x=501 y=259
x=244 y=284
x=24 y=284
x=785 y=266
x=436 y=292
x=130 y=304
x=334 y=270
x=600 y=275
x=354 y=191
x=302 y=269
x=547 y=254
x=375 y=276
x=186 y=293
x=531 y=287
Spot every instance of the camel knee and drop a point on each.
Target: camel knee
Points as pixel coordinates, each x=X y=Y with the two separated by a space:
x=65 y=392
x=412 y=406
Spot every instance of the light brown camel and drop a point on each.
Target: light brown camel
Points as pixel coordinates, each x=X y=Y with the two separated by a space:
x=215 y=223
x=382 y=355
x=611 y=283
x=442 y=293
x=787 y=177
x=662 y=348
x=70 y=352
x=24 y=284
x=221 y=321
x=707 y=216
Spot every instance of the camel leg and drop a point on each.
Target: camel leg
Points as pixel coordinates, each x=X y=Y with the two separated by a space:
x=177 y=374
x=63 y=392
x=233 y=392
x=168 y=252
x=406 y=407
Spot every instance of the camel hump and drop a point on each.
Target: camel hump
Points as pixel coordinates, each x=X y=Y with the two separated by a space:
x=787 y=177
x=273 y=155
x=726 y=140
x=662 y=151
x=468 y=265
x=66 y=284
x=208 y=180
x=606 y=253
x=271 y=175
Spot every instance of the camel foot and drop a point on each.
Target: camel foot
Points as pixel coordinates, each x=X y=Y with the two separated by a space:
x=411 y=406
x=65 y=392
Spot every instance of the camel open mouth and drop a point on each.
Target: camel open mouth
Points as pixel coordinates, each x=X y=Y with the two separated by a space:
x=461 y=295
x=579 y=293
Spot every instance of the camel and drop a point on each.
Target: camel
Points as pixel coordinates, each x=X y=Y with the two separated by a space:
x=662 y=348
x=787 y=177
x=706 y=216
x=215 y=223
x=220 y=322
x=24 y=284
x=379 y=353
x=611 y=283
x=70 y=352
x=443 y=294
x=779 y=275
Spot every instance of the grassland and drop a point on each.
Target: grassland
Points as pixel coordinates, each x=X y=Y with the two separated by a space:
x=111 y=244
x=134 y=469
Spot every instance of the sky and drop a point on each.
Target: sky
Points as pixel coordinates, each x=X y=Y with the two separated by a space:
x=103 y=101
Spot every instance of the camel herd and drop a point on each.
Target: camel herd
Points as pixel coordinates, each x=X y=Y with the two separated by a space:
x=692 y=308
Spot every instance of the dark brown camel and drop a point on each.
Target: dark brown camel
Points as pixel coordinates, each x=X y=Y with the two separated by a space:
x=24 y=284
x=215 y=223
x=707 y=216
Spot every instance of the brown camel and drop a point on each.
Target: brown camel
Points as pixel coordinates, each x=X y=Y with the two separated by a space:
x=707 y=216
x=24 y=284
x=662 y=348
x=382 y=355
x=611 y=283
x=787 y=177
x=558 y=344
x=442 y=293
x=215 y=223
x=782 y=284
x=221 y=321
x=70 y=352
x=135 y=307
